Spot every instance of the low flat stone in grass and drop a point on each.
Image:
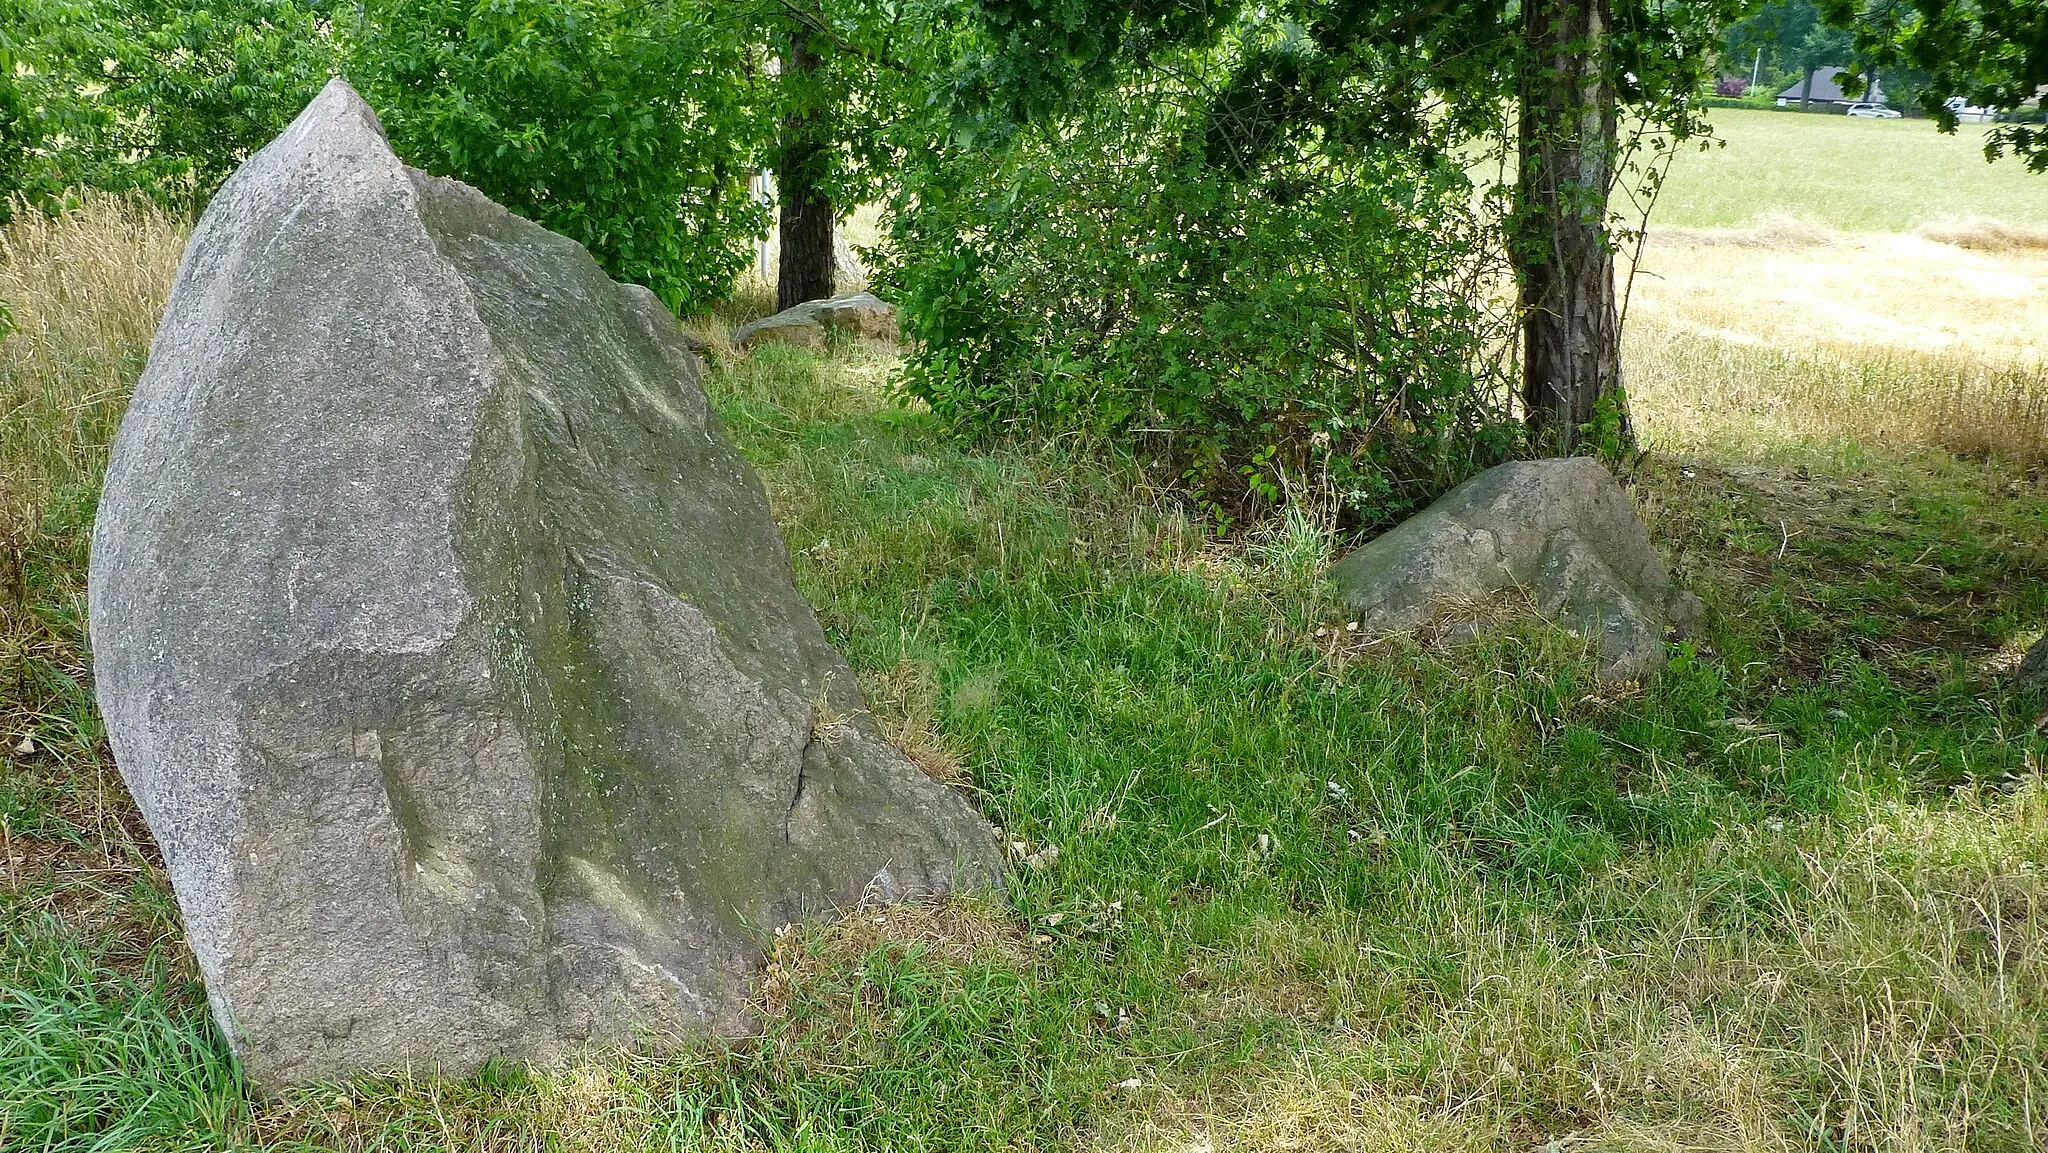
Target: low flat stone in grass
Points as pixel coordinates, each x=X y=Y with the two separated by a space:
x=811 y=324
x=449 y=648
x=1562 y=529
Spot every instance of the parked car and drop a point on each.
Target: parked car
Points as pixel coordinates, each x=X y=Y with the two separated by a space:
x=1874 y=112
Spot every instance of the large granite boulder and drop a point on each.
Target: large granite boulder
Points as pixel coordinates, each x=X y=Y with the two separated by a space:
x=810 y=324
x=1562 y=529
x=450 y=650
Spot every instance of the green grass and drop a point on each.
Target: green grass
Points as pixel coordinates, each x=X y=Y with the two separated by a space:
x=1312 y=891
x=1856 y=175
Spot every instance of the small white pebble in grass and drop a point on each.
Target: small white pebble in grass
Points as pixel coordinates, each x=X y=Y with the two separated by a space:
x=1356 y=836
x=1352 y=627
x=1128 y=1085
x=1265 y=844
x=1775 y=824
x=27 y=746
x=1322 y=632
x=1335 y=791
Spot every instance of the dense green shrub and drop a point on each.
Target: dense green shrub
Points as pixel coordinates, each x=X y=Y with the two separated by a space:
x=200 y=86
x=38 y=103
x=162 y=96
x=1327 y=326
x=627 y=126
x=18 y=133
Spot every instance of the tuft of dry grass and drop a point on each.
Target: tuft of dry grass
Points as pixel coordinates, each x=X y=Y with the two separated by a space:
x=904 y=700
x=752 y=298
x=951 y=931
x=85 y=290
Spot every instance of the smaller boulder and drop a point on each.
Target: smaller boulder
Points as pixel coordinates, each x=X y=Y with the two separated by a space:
x=1562 y=529
x=807 y=325
x=2033 y=671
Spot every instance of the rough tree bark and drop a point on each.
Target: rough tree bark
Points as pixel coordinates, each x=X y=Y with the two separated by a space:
x=1571 y=331
x=806 y=264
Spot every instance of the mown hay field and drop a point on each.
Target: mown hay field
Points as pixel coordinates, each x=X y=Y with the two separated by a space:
x=1790 y=333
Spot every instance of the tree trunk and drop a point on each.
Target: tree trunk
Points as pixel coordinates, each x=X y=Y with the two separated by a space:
x=1571 y=333
x=1806 y=89
x=807 y=215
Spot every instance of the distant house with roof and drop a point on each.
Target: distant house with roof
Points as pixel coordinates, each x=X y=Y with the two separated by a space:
x=1826 y=93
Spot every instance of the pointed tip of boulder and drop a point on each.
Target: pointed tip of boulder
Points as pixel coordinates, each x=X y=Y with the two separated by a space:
x=336 y=109
x=339 y=102
x=337 y=135
x=338 y=88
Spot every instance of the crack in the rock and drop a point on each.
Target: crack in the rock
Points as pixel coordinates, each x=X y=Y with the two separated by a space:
x=803 y=760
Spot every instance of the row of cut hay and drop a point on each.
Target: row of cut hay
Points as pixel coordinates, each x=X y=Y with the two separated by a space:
x=1983 y=234
x=1781 y=231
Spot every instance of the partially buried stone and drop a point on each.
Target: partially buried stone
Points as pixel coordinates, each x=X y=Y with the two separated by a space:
x=2033 y=670
x=808 y=325
x=1562 y=529
x=450 y=650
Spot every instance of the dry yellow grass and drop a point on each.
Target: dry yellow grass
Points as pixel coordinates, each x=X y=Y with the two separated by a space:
x=1788 y=330
x=85 y=290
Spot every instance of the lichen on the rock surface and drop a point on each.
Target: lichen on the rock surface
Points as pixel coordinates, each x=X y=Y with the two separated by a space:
x=522 y=754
